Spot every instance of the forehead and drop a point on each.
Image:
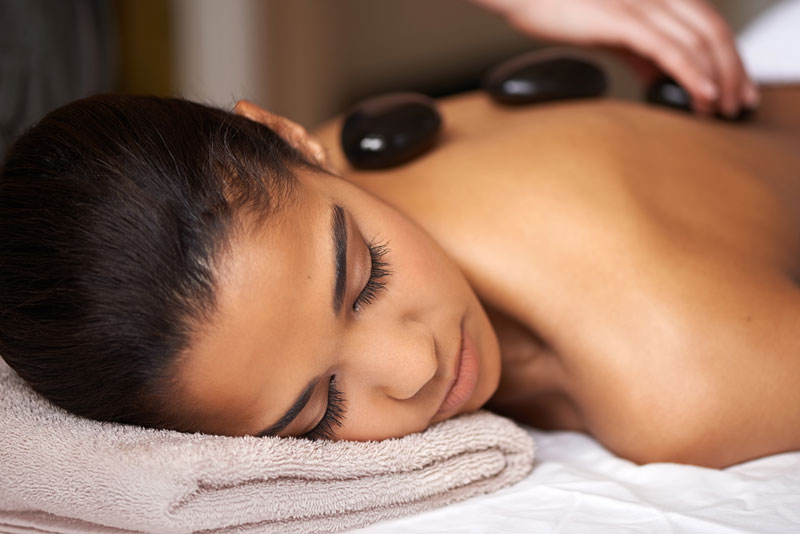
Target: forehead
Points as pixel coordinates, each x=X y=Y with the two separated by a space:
x=272 y=298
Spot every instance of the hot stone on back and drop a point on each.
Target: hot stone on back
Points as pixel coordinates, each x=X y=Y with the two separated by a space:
x=389 y=130
x=541 y=77
x=667 y=92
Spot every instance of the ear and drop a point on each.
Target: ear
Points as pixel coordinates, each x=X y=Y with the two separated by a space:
x=290 y=131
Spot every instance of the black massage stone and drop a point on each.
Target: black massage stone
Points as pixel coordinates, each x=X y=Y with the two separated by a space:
x=389 y=130
x=667 y=92
x=537 y=77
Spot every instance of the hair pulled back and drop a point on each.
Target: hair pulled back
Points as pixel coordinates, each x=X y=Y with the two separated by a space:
x=114 y=211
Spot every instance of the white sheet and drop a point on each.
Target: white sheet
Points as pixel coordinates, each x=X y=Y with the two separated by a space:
x=578 y=487
x=770 y=45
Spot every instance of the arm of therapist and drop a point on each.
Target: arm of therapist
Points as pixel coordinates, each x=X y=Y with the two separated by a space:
x=687 y=39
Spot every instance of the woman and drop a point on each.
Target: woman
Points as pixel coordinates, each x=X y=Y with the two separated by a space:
x=627 y=271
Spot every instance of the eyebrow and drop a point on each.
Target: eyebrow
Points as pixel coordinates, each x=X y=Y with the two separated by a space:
x=339 y=236
x=293 y=412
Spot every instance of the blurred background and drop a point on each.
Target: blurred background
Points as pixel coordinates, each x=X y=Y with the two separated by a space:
x=306 y=59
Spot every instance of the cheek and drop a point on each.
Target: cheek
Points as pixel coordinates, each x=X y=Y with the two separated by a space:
x=425 y=268
x=373 y=418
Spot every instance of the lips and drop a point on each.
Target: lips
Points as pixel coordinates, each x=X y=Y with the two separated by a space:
x=464 y=380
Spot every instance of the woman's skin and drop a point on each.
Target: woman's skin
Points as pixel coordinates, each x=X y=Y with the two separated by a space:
x=638 y=267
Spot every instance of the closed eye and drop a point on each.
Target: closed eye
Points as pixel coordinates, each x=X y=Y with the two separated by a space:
x=379 y=272
x=334 y=414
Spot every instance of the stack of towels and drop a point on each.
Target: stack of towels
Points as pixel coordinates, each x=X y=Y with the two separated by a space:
x=62 y=474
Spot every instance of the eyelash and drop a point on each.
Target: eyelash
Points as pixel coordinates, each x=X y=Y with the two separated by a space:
x=377 y=277
x=377 y=281
x=333 y=414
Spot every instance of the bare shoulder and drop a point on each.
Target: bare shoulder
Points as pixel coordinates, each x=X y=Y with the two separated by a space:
x=780 y=107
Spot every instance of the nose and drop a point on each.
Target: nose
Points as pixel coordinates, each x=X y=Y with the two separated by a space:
x=400 y=360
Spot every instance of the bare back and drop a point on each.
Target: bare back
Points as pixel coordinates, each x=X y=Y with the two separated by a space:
x=641 y=266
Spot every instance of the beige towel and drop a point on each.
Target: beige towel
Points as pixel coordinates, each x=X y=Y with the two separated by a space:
x=63 y=474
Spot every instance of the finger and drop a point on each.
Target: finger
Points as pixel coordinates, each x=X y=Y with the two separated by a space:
x=293 y=133
x=671 y=56
x=675 y=28
x=305 y=143
x=319 y=155
x=693 y=45
x=734 y=84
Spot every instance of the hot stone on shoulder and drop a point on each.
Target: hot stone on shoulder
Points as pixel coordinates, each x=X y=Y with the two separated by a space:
x=542 y=76
x=389 y=130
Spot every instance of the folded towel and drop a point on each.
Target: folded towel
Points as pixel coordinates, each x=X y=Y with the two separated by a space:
x=63 y=474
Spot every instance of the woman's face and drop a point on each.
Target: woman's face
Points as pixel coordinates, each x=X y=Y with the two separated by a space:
x=343 y=304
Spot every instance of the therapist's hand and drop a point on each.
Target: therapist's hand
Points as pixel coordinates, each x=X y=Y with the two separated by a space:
x=687 y=39
x=291 y=132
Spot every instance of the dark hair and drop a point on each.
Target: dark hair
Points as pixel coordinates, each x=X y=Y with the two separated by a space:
x=114 y=212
